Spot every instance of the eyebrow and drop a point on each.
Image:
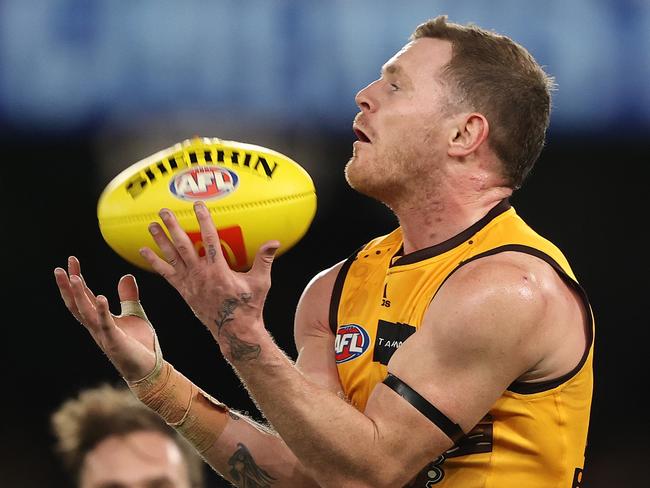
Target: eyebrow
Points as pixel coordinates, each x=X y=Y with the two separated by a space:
x=396 y=70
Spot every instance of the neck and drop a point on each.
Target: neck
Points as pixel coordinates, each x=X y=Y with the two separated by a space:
x=429 y=222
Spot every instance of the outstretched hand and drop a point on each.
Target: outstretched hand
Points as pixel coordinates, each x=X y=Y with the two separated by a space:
x=128 y=340
x=227 y=302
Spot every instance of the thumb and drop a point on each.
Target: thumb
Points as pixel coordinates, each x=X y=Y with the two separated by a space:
x=127 y=289
x=264 y=258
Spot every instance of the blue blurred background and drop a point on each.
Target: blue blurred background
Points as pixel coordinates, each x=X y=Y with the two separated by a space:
x=88 y=87
x=71 y=63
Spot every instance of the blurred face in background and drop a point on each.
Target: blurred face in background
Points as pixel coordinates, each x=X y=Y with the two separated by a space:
x=137 y=460
x=403 y=122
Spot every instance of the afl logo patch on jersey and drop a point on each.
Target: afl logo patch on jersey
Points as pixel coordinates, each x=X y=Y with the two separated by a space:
x=351 y=342
x=204 y=183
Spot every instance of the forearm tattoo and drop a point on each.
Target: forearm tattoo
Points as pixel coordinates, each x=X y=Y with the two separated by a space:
x=245 y=472
x=227 y=310
x=242 y=350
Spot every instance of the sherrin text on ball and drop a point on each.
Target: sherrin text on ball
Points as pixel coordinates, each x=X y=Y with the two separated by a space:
x=253 y=193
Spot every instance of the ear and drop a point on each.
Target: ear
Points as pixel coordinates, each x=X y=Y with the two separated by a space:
x=471 y=131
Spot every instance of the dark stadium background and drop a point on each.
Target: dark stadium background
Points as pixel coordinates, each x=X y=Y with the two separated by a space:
x=588 y=192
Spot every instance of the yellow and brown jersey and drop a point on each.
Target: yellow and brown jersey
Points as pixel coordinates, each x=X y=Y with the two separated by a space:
x=535 y=434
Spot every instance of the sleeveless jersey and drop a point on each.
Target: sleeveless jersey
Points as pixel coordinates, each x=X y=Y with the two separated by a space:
x=535 y=434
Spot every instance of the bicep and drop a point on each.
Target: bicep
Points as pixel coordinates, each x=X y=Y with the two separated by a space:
x=313 y=336
x=316 y=361
x=416 y=429
x=469 y=348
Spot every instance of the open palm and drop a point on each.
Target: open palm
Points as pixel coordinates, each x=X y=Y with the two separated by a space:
x=128 y=340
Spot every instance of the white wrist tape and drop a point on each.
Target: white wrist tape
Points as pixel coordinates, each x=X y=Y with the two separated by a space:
x=196 y=415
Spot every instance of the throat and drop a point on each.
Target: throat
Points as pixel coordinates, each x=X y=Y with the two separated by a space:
x=429 y=225
x=427 y=231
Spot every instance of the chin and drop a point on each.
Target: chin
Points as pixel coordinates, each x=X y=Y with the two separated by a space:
x=362 y=179
x=353 y=174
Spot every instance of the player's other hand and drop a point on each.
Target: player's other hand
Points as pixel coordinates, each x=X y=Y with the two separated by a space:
x=127 y=340
x=227 y=302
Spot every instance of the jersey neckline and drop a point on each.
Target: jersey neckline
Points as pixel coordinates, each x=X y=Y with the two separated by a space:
x=437 y=249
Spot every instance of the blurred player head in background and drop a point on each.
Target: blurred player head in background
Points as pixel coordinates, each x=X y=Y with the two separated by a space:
x=107 y=438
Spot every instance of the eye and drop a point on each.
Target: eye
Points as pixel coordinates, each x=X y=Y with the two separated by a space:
x=394 y=86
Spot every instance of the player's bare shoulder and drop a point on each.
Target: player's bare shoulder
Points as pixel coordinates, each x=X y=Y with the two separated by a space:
x=520 y=302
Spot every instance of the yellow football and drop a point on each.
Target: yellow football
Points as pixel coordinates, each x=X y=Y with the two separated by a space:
x=254 y=194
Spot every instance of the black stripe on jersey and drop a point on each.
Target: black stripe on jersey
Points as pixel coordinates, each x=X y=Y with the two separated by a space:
x=449 y=427
x=476 y=441
x=528 y=387
x=335 y=300
x=457 y=240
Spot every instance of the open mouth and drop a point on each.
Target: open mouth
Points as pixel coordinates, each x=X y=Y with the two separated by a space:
x=360 y=135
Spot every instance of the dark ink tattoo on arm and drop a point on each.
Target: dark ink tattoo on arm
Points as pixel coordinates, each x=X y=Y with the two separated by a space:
x=245 y=472
x=242 y=350
x=227 y=310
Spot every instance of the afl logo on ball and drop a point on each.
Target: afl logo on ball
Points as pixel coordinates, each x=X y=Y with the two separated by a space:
x=351 y=342
x=204 y=183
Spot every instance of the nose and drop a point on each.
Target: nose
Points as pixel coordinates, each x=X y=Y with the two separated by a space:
x=364 y=99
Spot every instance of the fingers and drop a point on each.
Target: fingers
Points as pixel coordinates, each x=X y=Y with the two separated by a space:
x=160 y=266
x=85 y=307
x=209 y=235
x=104 y=318
x=180 y=239
x=73 y=292
x=166 y=247
x=264 y=259
x=65 y=290
x=127 y=289
x=107 y=334
x=74 y=268
x=179 y=251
